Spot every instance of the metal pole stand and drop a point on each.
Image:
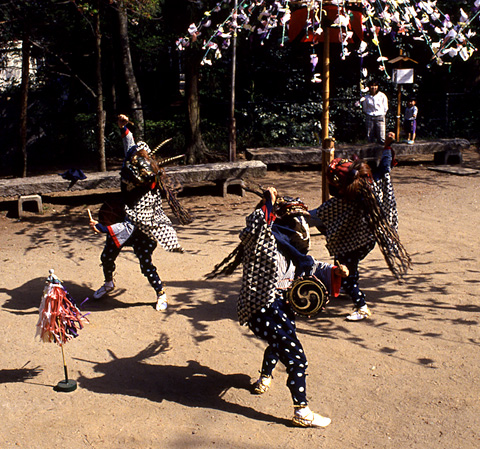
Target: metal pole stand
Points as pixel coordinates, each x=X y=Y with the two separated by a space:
x=67 y=385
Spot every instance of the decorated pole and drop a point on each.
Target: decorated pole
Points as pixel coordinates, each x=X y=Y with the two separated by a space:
x=59 y=321
x=327 y=150
x=329 y=16
x=67 y=384
x=358 y=25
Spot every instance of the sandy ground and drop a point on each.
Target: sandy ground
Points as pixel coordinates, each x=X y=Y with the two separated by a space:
x=407 y=378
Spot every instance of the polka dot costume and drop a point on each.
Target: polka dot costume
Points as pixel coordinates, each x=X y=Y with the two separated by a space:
x=143 y=248
x=350 y=283
x=261 y=305
x=275 y=324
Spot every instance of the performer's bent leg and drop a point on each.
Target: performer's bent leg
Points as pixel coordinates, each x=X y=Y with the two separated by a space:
x=109 y=255
x=270 y=360
x=276 y=325
x=350 y=284
x=143 y=248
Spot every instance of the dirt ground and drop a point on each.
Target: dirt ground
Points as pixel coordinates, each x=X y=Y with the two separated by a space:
x=407 y=378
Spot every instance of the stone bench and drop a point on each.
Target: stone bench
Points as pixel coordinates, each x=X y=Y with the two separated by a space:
x=443 y=151
x=223 y=174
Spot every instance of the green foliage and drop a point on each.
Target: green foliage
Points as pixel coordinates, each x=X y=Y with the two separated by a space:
x=145 y=8
x=276 y=104
x=278 y=124
x=157 y=132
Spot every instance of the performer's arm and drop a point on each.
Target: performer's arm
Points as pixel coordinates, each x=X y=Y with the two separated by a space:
x=388 y=158
x=385 y=104
x=330 y=275
x=127 y=136
x=339 y=271
x=314 y=220
x=97 y=227
x=270 y=197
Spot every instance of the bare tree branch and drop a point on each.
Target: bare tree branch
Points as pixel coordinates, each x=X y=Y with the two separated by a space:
x=72 y=73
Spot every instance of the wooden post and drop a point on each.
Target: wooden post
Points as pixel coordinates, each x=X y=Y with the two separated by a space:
x=400 y=60
x=326 y=83
x=399 y=110
x=399 y=101
x=24 y=87
x=327 y=142
x=233 y=123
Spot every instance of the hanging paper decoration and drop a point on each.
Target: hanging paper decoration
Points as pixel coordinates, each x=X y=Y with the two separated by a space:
x=316 y=78
x=306 y=24
x=59 y=318
x=357 y=24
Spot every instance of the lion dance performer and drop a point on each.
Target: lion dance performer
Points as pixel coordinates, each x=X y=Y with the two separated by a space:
x=145 y=224
x=273 y=251
x=361 y=213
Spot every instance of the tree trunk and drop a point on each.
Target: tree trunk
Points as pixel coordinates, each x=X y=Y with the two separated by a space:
x=102 y=165
x=195 y=146
x=24 y=97
x=134 y=96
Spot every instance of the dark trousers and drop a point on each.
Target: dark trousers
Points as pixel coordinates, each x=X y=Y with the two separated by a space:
x=143 y=248
x=350 y=283
x=275 y=325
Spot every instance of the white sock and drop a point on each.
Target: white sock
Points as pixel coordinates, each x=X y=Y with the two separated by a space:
x=302 y=411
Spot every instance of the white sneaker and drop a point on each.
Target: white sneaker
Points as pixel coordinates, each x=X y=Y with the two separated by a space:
x=262 y=384
x=161 y=301
x=104 y=289
x=360 y=314
x=304 y=417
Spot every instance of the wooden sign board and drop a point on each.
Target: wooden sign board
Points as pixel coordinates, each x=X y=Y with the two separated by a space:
x=403 y=76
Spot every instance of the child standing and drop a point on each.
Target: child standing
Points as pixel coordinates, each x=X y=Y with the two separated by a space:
x=410 y=122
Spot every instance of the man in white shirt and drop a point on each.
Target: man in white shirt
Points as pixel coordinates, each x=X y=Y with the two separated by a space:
x=375 y=107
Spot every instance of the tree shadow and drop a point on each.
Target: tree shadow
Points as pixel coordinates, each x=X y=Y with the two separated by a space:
x=403 y=304
x=200 y=312
x=192 y=385
x=69 y=223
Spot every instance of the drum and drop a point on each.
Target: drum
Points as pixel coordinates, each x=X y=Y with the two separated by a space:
x=307 y=296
